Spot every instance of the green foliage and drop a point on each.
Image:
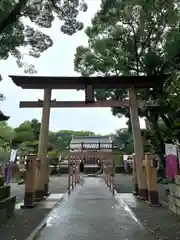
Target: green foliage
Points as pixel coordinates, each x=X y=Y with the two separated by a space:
x=138 y=37
x=22 y=24
x=25 y=138
x=124 y=141
x=6 y=132
x=54 y=154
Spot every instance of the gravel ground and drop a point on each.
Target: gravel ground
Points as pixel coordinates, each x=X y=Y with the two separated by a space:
x=159 y=220
x=26 y=220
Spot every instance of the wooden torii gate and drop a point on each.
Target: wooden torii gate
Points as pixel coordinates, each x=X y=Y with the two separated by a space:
x=89 y=84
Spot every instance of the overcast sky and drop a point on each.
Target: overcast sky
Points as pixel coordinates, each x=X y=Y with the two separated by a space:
x=57 y=61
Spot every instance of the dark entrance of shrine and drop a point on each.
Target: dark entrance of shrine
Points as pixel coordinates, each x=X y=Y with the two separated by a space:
x=82 y=166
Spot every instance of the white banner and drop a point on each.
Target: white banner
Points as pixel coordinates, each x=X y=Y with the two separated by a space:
x=170 y=149
x=13 y=155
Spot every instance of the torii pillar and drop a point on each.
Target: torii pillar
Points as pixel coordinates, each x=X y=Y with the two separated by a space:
x=138 y=144
x=43 y=142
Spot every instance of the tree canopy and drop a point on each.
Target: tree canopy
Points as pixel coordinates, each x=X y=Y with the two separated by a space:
x=138 y=37
x=23 y=24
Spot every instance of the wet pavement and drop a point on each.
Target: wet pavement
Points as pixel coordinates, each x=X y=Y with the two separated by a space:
x=92 y=212
x=163 y=224
x=47 y=203
x=25 y=221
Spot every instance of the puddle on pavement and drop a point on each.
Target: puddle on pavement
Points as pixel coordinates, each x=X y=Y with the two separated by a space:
x=129 y=198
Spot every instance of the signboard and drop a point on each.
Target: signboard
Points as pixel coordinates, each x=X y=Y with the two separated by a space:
x=171 y=160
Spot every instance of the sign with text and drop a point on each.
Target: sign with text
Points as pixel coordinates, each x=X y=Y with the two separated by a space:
x=171 y=160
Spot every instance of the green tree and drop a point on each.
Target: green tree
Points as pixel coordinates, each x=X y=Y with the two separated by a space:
x=35 y=126
x=67 y=135
x=6 y=132
x=6 y=136
x=25 y=138
x=24 y=133
x=133 y=37
x=124 y=140
x=23 y=24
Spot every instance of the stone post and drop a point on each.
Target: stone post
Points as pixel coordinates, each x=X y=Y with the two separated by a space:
x=46 y=177
x=138 y=145
x=69 y=174
x=113 y=174
x=135 y=181
x=151 y=172
x=30 y=181
x=78 y=172
x=43 y=140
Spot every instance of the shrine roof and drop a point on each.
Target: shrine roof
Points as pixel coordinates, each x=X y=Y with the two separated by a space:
x=108 y=82
x=91 y=139
x=3 y=117
x=91 y=142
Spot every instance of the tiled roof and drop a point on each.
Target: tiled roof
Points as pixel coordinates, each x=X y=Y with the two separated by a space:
x=3 y=117
x=91 y=139
x=91 y=142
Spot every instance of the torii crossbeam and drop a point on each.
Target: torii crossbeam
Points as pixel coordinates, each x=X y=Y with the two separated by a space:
x=83 y=104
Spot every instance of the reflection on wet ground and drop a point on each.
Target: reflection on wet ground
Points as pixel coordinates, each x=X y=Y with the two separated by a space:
x=130 y=199
x=48 y=203
x=92 y=213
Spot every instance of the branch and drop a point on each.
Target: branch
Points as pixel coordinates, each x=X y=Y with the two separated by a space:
x=13 y=15
x=135 y=47
x=56 y=8
x=144 y=44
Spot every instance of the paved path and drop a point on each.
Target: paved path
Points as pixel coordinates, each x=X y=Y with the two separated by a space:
x=91 y=212
x=26 y=220
x=163 y=224
x=58 y=184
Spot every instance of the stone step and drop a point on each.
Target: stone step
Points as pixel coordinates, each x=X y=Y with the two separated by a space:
x=5 y=192
x=7 y=207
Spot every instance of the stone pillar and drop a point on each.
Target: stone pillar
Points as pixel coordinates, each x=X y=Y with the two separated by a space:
x=151 y=172
x=43 y=140
x=69 y=174
x=144 y=172
x=138 y=145
x=72 y=176
x=135 y=181
x=30 y=181
x=46 y=177
x=78 y=172
x=113 y=175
